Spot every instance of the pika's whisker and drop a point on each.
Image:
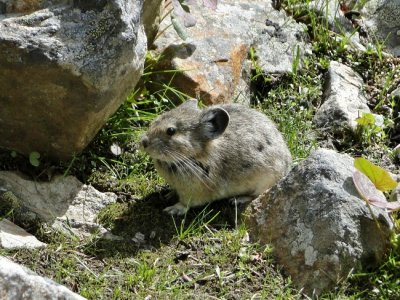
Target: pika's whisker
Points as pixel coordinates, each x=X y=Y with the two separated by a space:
x=186 y=165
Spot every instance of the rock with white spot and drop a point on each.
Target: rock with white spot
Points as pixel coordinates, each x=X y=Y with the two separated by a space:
x=18 y=282
x=344 y=101
x=318 y=225
x=14 y=237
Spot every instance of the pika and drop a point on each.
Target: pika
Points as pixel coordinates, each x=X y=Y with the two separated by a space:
x=222 y=151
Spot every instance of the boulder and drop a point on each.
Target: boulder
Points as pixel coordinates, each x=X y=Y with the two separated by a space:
x=211 y=64
x=14 y=237
x=18 y=282
x=318 y=225
x=343 y=99
x=279 y=43
x=381 y=19
x=64 y=69
x=62 y=202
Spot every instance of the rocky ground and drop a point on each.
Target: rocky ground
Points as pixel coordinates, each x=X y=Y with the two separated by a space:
x=96 y=223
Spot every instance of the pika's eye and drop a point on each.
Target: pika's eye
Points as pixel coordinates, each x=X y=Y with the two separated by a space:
x=171 y=130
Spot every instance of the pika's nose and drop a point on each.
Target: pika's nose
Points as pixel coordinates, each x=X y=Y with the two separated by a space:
x=144 y=141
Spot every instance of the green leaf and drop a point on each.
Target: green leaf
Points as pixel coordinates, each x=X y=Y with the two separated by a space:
x=379 y=177
x=366 y=119
x=34 y=158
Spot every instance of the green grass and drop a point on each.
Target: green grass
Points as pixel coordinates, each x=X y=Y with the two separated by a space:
x=291 y=104
x=206 y=254
x=215 y=263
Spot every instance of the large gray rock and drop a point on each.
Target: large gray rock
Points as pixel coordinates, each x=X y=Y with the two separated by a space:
x=381 y=18
x=18 y=282
x=64 y=69
x=14 y=237
x=318 y=225
x=64 y=200
x=279 y=42
x=212 y=63
x=344 y=101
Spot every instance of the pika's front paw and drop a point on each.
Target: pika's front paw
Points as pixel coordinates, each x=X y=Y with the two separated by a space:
x=178 y=209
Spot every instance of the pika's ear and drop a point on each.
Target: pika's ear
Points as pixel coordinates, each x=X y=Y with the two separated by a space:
x=214 y=122
x=191 y=103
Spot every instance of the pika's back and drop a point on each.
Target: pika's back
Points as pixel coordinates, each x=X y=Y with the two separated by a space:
x=246 y=124
x=252 y=141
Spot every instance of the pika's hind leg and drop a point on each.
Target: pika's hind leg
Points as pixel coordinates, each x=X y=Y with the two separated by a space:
x=178 y=209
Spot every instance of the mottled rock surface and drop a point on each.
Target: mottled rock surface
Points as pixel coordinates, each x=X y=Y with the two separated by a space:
x=18 y=282
x=64 y=200
x=381 y=18
x=344 y=100
x=318 y=225
x=212 y=62
x=14 y=237
x=64 y=70
x=279 y=42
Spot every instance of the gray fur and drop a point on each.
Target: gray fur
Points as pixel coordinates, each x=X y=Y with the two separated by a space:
x=222 y=151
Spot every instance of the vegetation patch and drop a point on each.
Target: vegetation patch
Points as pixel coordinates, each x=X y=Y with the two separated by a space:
x=207 y=254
